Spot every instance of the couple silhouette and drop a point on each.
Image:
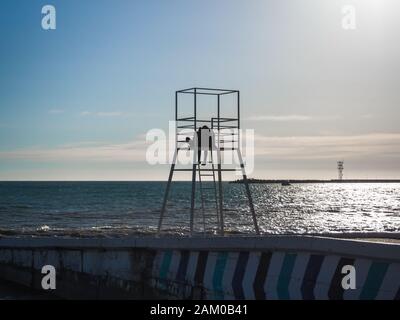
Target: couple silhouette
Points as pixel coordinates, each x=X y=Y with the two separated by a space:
x=205 y=142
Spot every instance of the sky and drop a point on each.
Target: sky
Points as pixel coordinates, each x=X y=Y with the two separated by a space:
x=76 y=102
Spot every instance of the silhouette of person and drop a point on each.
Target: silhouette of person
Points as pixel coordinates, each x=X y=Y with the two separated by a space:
x=205 y=140
x=190 y=143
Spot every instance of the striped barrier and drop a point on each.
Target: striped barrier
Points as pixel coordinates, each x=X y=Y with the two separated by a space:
x=268 y=267
x=271 y=275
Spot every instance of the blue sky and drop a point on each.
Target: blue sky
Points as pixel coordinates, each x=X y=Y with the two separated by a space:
x=76 y=102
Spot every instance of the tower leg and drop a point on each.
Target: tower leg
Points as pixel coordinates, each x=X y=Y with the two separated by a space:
x=202 y=201
x=193 y=196
x=220 y=194
x=164 y=206
x=246 y=183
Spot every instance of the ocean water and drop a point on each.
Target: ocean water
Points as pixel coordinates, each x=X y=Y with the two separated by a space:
x=125 y=208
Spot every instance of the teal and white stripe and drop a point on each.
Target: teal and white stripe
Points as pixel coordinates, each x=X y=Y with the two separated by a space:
x=298 y=276
x=217 y=273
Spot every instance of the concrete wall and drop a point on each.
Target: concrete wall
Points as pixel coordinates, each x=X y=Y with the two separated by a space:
x=278 y=267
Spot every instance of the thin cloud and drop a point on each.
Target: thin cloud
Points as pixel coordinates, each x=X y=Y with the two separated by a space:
x=368 y=146
x=329 y=147
x=84 y=151
x=102 y=114
x=291 y=117
x=109 y=114
x=56 y=111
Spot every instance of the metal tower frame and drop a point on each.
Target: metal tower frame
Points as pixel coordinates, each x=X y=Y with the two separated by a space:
x=217 y=124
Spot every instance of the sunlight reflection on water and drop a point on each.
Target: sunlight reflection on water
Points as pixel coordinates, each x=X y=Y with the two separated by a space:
x=114 y=207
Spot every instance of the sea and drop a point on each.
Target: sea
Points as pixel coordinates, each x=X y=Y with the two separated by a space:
x=116 y=209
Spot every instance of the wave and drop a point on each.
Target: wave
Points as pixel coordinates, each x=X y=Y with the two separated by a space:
x=16 y=206
x=107 y=231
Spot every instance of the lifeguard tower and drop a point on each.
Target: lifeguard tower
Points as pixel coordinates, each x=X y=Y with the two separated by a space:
x=221 y=114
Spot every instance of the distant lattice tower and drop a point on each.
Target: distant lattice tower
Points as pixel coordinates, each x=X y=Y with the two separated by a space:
x=340 y=169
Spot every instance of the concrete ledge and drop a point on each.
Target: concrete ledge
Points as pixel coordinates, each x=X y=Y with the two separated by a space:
x=360 y=248
x=274 y=267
